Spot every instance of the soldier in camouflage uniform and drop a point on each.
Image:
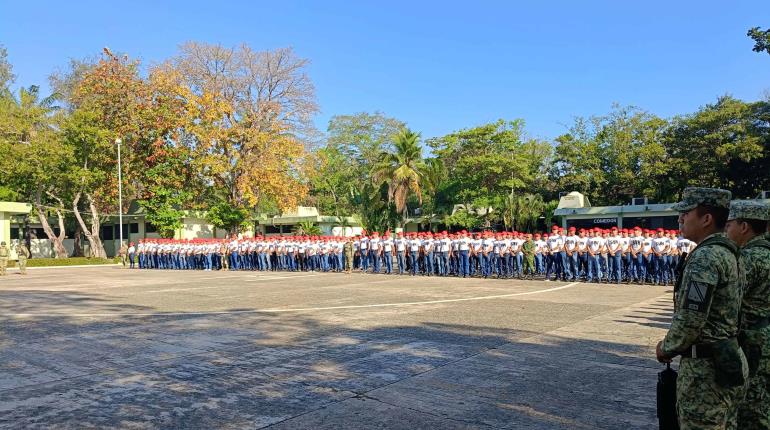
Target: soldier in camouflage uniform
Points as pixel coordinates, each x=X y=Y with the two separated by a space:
x=4 y=253
x=528 y=248
x=23 y=253
x=713 y=372
x=347 y=249
x=746 y=225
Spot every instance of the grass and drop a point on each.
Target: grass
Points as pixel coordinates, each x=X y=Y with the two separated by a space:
x=72 y=261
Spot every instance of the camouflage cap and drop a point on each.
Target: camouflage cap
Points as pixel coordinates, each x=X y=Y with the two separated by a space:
x=749 y=209
x=695 y=196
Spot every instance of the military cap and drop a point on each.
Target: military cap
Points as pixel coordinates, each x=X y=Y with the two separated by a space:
x=692 y=197
x=749 y=209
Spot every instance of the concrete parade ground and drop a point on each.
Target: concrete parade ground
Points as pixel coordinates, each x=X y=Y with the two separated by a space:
x=106 y=347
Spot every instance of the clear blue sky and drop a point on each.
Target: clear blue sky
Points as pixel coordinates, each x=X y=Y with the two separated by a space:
x=439 y=66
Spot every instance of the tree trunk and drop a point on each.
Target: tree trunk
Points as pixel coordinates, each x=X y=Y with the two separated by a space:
x=57 y=241
x=92 y=234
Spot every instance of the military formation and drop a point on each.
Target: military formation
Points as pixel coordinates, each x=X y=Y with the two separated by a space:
x=592 y=255
x=720 y=327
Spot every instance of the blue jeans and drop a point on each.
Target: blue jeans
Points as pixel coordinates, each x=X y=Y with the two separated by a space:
x=464 y=269
x=428 y=262
x=375 y=259
x=413 y=261
x=616 y=271
x=365 y=259
x=401 y=256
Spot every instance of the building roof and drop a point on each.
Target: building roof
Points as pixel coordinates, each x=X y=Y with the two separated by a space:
x=15 y=208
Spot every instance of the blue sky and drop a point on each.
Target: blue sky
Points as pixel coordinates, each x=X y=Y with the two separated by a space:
x=439 y=66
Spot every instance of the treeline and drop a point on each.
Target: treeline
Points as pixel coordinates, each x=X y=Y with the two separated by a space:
x=229 y=131
x=500 y=176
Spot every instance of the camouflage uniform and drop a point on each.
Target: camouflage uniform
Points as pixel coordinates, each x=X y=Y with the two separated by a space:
x=528 y=248
x=23 y=253
x=347 y=249
x=4 y=253
x=706 y=313
x=754 y=412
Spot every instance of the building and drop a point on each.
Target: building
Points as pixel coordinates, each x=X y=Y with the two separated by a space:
x=9 y=210
x=576 y=211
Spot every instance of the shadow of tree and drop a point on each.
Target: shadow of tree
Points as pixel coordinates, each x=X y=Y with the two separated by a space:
x=295 y=370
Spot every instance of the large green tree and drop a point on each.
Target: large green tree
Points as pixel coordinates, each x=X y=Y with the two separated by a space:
x=725 y=144
x=343 y=164
x=488 y=162
x=402 y=168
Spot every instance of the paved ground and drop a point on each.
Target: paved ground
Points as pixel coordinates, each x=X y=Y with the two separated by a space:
x=112 y=348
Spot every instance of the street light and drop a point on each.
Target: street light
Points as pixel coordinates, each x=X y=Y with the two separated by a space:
x=120 y=193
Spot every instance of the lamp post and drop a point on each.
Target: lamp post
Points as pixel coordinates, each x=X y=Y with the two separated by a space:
x=120 y=193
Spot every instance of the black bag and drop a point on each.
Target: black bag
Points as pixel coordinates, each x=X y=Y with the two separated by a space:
x=667 y=417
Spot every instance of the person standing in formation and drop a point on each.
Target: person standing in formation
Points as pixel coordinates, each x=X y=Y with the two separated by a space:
x=713 y=371
x=746 y=224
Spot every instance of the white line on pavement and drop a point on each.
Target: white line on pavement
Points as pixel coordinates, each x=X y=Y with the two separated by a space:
x=281 y=310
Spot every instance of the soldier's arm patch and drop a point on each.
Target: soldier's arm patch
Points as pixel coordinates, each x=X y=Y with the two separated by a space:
x=698 y=296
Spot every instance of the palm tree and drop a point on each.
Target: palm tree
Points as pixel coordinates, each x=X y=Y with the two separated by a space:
x=402 y=170
x=307 y=228
x=28 y=114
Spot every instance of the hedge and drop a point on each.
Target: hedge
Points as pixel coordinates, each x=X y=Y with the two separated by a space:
x=72 y=261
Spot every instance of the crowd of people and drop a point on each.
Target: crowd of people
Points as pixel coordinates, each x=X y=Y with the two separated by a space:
x=593 y=255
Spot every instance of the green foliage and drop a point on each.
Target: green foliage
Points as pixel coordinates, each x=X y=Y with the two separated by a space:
x=166 y=195
x=224 y=216
x=402 y=169
x=307 y=228
x=463 y=219
x=488 y=162
x=761 y=39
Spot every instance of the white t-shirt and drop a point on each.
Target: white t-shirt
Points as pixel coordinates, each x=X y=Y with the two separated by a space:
x=660 y=245
x=555 y=243
x=595 y=244
x=401 y=244
x=414 y=245
x=387 y=245
x=613 y=244
x=570 y=243
x=374 y=244
x=446 y=244
x=582 y=243
x=463 y=244
x=539 y=246
x=684 y=245
x=647 y=244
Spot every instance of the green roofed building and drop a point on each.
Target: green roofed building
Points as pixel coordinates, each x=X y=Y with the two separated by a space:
x=576 y=211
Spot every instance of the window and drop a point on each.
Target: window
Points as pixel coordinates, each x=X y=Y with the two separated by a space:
x=134 y=228
x=272 y=229
x=107 y=232
x=149 y=228
x=15 y=233
x=116 y=231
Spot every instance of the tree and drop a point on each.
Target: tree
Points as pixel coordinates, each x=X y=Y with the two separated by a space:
x=402 y=169
x=245 y=116
x=723 y=145
x=761 y=39
x=612 y=158
x=224 y=216
x=307 y=228
x=487 y=162
x=33 y=157
x=346 y=160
